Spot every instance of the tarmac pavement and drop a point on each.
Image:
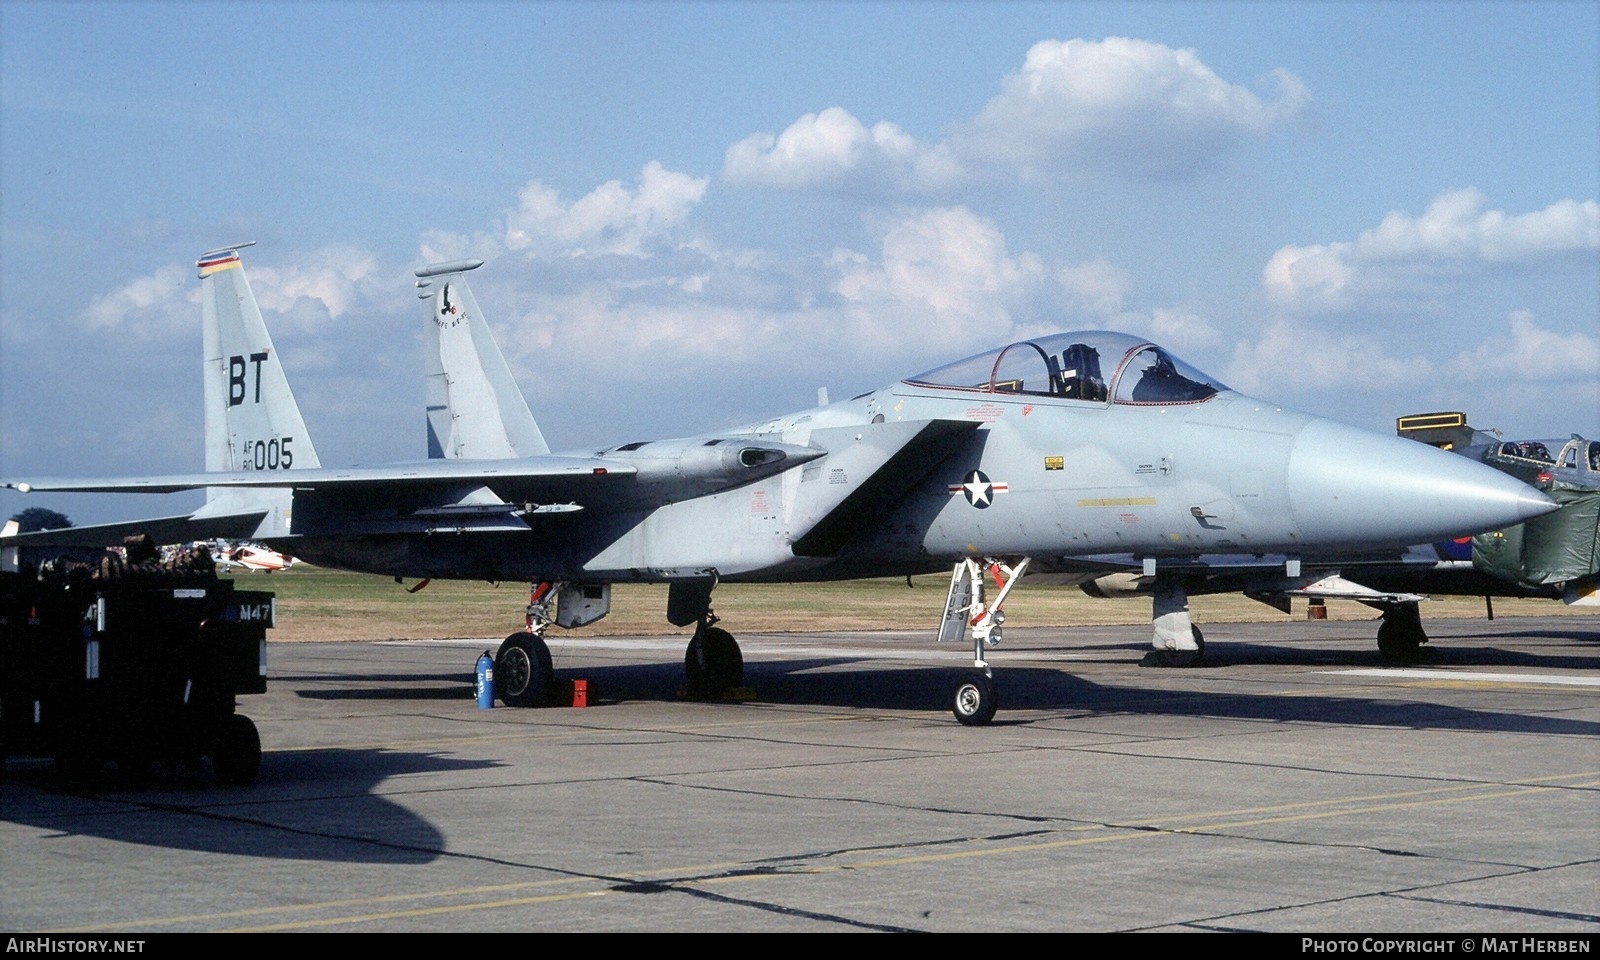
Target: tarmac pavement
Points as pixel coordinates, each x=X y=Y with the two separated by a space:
x=1292 y=783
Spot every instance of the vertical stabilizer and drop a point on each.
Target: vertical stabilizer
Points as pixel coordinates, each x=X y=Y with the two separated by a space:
x=475 y=411
x=251 y=419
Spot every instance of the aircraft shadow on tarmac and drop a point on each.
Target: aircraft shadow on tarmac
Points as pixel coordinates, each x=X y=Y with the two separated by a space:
x=381 y=686
x=819 y=682
x=286 y=815
x=1454 y=651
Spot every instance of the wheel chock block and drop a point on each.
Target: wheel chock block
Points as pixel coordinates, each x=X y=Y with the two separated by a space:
x=569 y=693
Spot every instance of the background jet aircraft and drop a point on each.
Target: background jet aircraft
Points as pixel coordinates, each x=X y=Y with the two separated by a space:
x=1026 y=458
x=1557 y=554
x=1574 y=462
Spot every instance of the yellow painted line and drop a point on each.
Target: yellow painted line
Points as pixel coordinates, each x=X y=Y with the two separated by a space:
x=1154 y=827
x=1374 y=808
x=1118 y=502
x=1400 y=798
x=331 y=905
x=1116 y=835
x=420 y=912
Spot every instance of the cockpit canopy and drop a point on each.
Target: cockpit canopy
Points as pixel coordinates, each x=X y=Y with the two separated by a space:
x=1095 y=366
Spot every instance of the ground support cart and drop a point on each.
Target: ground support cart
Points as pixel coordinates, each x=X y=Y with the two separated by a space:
x=132 y=672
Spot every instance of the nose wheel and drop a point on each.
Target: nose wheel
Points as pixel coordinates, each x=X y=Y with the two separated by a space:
x=975 y=701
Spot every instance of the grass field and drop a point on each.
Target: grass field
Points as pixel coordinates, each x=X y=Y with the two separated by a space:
x=316 y=603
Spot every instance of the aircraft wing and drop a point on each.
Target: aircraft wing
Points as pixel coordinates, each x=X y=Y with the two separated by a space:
x=481 y=494
x=538 y=473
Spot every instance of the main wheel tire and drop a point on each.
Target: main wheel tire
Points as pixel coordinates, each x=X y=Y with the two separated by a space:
x=522 y=670
x=237 y=758
x=1184 y=658
x=1398 y=643
x=712 y=663
x=975 y=701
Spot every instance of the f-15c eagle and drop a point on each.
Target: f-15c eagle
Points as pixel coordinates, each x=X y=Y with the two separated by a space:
x=1036 y=457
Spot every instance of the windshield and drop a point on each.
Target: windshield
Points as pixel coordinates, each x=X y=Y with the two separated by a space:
x=1092 y=366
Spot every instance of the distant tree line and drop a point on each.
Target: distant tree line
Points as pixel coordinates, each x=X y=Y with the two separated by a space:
x=39 y=518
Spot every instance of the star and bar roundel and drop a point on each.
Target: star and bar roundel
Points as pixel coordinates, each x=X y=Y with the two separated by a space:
x=979 y=490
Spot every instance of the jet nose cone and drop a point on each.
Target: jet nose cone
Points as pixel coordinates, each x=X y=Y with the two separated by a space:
x=1348 y=486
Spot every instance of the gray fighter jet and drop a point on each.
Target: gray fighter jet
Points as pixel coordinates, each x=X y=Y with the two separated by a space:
x=1033 y=458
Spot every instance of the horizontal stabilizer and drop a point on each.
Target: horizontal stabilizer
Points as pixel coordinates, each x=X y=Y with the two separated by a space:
x=162 y=530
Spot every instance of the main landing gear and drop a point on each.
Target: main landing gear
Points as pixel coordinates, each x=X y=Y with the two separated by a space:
x=712 y=664
x=975 y=699
x=523 y=673
x=522 y=667
x=1400 y=636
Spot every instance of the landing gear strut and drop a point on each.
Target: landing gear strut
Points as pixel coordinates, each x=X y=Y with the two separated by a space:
x=1177 y=642
x=975 y=699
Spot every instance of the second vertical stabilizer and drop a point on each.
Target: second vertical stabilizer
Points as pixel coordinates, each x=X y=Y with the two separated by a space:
x=475 y=411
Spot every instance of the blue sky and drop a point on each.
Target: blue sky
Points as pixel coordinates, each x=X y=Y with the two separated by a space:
x=694 y=215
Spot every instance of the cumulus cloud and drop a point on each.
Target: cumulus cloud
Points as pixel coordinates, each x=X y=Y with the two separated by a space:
x=151 y=307
x=1183 y=329
x=931 y=284
x=939 y=282
x=1119 y=106
x=1530 y=352
x=945 y=274
x=1122 y=104
x=935 y=283
x=334 y=278
x=1342 y=373
x=1456 y=231
x=833 y=148
x=613 y=219
x=1096 y=287
x=296 y=296
x=1320 y=360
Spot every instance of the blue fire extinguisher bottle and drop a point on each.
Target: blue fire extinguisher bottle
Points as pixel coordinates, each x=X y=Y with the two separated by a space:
x=485 y=681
